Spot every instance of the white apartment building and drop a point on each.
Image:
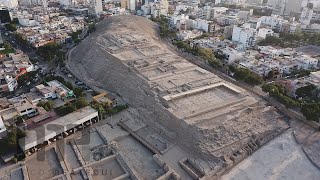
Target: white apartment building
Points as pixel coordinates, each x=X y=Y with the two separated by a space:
x=233 y=1
x=264 y=32
x=231 y=55
x=11 y=4
x=146 y=8
x=178 y=18
x=67 y=2
x=131 y=5
x=245 y=15
x=246 y=36
x=306 y=15
x=290 y=27
x=8 y=83
x=228 y=20
x=256 y=2
x=209 y=13
x=204 y=25
x=306 y=62
x=97 y=6
x=159 y=8
x=274 y=21
x=277 y=22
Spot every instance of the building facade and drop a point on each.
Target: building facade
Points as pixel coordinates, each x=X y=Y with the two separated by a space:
x=246 y=36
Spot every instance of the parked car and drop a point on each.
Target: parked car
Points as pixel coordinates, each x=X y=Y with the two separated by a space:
x=79 y=83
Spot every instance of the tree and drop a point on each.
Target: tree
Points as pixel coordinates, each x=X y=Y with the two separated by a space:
x=253 y=79
x=15 y=21
x=81 y=102
x=100 y=108
x=246 y=75
x=68 y=84
x=272 y=74
x=206 y=54
x=14 y=135
x=24 y=78
x=91 y=28
x=47 y=105
x=20 y=39
x=311 y=111
x=66 y=109
x=78 y=92
x=287 y=101
x=11 y=27
x=270 y=40
x=7 y=48
x=278 y=92
x=303 y=73
x=306 y=91
x=75 y=35
x=49 y=51
x=19 y=120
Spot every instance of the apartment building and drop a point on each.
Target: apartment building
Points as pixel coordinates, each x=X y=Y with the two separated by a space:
x=246 y=36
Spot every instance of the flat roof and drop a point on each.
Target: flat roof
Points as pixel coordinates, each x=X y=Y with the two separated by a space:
x=309 y=50
x=21 y=104
x=47 y=131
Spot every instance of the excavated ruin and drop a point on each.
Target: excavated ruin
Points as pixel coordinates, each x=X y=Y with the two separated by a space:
x=208 y=117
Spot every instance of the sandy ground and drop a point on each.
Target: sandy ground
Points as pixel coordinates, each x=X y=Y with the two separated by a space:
x=44 y=166
x=281 y=159
x=140 y=158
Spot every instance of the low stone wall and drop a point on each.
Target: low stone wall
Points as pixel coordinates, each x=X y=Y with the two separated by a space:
x=235 y=158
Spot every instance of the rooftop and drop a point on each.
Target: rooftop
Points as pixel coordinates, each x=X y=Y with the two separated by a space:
x=21 y=104
x=53 y=128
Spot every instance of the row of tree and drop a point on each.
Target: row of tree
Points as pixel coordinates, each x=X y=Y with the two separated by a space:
x=279 y=93
x=310 y=106
x=105 y=110
x=49 y=51
x=164 y=28
x=292 y=40
x=70 y=107
x=307 y=99
x=246 y=76
x=204 y=53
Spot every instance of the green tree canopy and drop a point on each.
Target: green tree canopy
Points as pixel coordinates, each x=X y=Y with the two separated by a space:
x=11 y=27
x=49 y=51
x=311 y=111
x=247 y=76
x=306 y=91
x=47 y=105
